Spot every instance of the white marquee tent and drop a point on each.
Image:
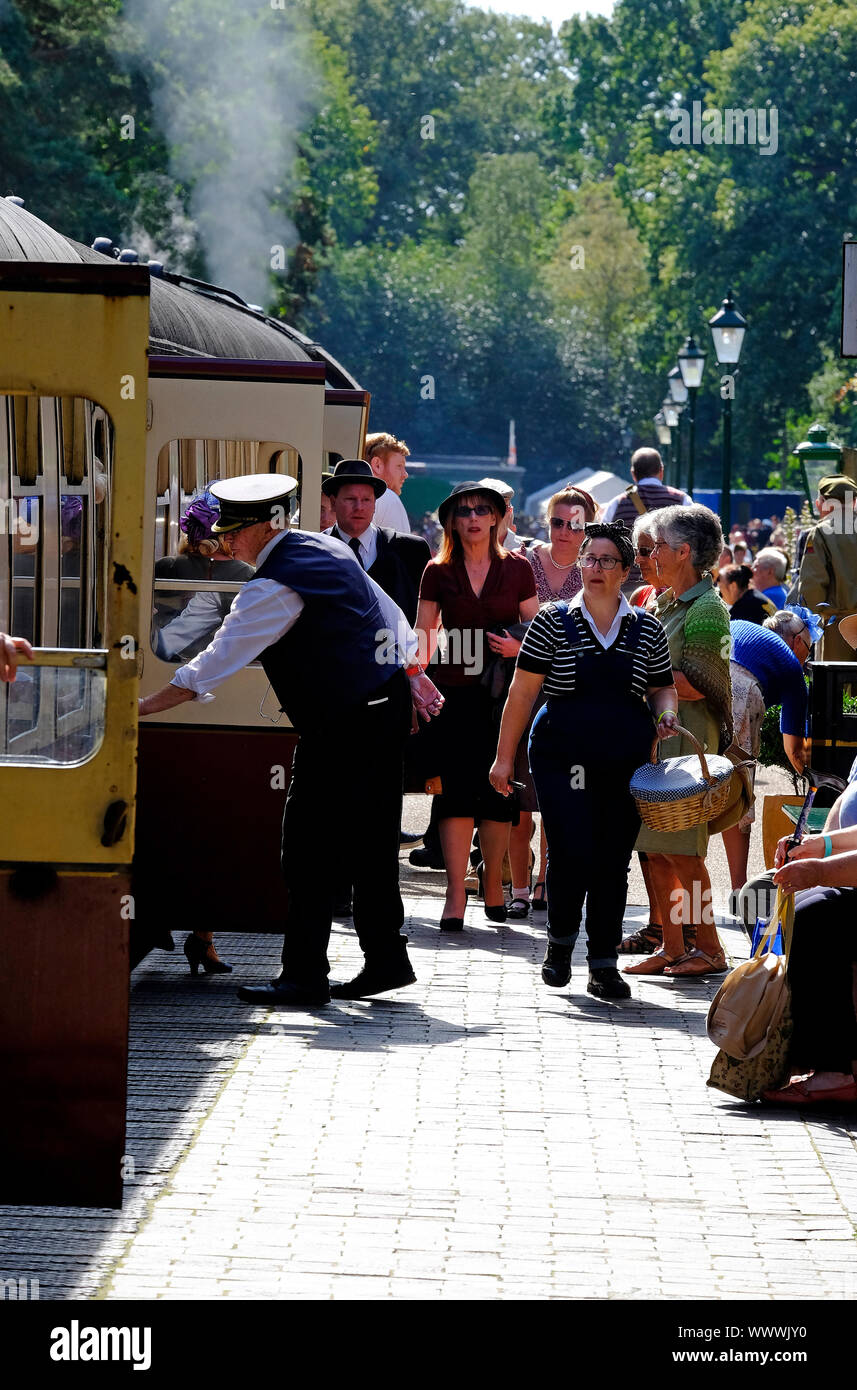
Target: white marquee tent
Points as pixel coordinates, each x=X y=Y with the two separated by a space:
x=600 y=484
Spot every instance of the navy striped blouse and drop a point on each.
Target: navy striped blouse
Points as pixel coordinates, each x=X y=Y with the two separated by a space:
x=545 y=651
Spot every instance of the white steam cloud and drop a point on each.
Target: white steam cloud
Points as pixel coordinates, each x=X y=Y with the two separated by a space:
x=233 y=84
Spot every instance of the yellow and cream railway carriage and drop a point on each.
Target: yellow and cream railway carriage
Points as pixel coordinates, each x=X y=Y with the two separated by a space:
x=124 y=392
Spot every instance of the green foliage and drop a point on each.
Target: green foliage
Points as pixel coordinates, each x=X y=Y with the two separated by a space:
x=432 y=168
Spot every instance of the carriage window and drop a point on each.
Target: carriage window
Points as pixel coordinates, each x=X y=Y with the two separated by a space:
x=51 y=715
x=55 y=467
x=195 y=576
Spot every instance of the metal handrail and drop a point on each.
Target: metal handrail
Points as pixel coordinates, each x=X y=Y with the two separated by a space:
x=66 y=657
x=193 y=586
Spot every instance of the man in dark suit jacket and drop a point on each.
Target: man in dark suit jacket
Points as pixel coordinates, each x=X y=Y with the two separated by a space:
x=395 y=561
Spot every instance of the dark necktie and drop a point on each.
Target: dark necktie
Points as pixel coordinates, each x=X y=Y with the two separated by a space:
x=355 y=546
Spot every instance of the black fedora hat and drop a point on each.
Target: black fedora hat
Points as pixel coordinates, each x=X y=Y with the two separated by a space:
x=470 y=489
x=352 y=471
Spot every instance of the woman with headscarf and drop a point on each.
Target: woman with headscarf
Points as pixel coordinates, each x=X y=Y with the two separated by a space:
x=605 y=670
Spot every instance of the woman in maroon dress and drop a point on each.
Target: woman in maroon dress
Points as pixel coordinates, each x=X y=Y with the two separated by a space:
x=476 y=590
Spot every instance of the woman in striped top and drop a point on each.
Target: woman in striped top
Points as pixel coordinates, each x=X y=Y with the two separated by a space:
x=606 y=673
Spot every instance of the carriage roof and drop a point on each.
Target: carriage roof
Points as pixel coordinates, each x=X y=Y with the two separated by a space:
x=187 y=318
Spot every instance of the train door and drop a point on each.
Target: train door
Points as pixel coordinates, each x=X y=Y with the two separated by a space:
x=73 y=387
x=213 y=776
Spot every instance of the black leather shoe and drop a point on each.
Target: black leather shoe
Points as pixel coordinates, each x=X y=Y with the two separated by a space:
x=409 y=837
x=607 y=983
x=375 y=979
x=426 y=858
x=495 y=914
x=285 y=992
x=556 y=970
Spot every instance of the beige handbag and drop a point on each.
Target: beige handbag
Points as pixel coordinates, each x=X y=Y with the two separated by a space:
x=749 y=1005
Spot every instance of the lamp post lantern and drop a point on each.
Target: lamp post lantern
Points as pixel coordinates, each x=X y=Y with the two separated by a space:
x=816 y=449
x=672 y=415
x=691 y=361
x=727 y=331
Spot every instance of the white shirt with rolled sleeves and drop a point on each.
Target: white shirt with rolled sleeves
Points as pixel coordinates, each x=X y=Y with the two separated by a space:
x=390 y=511
x=261 y=614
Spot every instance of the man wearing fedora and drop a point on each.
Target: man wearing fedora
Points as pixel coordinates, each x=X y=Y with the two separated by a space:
x=313 y=617
x=394 y=560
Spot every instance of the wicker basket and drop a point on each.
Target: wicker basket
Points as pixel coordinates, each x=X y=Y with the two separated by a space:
x=673 y=795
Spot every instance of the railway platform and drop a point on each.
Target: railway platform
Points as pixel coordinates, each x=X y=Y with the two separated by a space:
x=476 y=1136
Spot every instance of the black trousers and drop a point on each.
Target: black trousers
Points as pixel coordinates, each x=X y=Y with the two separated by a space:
x=589 y=815
x=820 y=980
x=355 y=771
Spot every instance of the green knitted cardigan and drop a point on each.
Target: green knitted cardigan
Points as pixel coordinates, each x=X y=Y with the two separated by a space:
x=705 y=659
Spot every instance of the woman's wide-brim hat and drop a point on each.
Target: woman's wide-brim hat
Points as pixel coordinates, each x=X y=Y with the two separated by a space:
x=352 y=471
x=848 y=629
x=471 y=489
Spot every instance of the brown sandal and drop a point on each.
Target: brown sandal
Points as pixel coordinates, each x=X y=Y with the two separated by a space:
x=655 y=964
x=696 y=962
x=642 y=942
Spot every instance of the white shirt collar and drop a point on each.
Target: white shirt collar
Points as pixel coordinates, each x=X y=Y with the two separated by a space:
x=368 y=543
x=266 y=549
x=606 y=639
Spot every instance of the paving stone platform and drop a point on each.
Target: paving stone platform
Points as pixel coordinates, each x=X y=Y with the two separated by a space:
x=476 y=1136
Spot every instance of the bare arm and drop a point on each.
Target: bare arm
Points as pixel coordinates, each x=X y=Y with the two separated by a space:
x=426 y=628
x=510 y=646
x=840 y=871
x=684 y=689
x=165 y=698
x=812 y=846
x=796 y=751
x=663 y=700
x=516 y=711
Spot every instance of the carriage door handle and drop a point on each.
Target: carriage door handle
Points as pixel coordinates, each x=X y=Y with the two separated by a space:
x=115 y=823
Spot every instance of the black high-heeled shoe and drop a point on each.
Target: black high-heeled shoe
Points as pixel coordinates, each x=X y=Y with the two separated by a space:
x=202 y=953
x=494 y=914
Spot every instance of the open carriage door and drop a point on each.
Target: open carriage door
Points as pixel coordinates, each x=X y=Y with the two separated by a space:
x=73 y=388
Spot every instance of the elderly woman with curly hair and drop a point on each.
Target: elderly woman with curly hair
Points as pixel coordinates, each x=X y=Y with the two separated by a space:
x=687 y=542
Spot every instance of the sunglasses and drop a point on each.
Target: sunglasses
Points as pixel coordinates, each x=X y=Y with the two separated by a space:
x=645 y=551
x=558 y=524
x=483 y=509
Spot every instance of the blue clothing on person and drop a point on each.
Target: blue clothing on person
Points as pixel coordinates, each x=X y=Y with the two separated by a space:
x=848 y=804
x=777 y=594
x=767 y=657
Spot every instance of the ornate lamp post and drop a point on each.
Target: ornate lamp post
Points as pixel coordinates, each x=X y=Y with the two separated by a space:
x=691 y=361
x=678 y=392
x=727 y=330
x=672 y=415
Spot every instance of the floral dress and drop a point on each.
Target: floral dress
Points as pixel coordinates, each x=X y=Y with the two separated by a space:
x=572 y=584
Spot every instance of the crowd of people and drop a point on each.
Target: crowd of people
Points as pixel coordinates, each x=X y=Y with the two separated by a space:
x=536 y=675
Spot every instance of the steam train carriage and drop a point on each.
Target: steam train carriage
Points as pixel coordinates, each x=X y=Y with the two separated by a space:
x=124 y=392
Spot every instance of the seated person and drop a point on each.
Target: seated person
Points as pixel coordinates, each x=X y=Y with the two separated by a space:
x=822 y=872
x=185 y=623
x=741 y=599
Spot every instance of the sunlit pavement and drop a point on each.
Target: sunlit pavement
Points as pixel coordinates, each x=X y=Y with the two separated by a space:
x=474 y=1136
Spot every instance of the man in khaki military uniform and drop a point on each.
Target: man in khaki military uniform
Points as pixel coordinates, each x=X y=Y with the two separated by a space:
x=828 y=570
